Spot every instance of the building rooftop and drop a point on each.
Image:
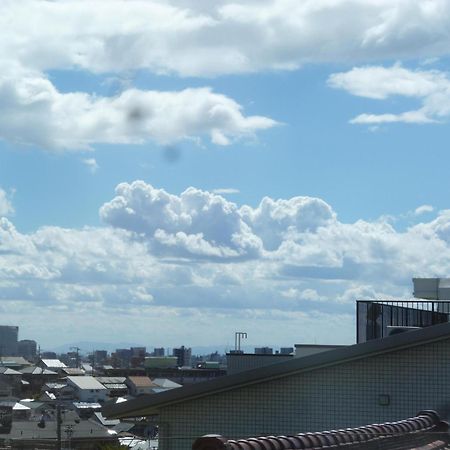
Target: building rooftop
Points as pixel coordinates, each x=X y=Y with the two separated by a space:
x=142 y=382
x=73 y=371
x=53 y=363
x=33 y=370
x=13 y=361
x=147 y=405
x=86 y=382
x=166 y=383
x=8 y=371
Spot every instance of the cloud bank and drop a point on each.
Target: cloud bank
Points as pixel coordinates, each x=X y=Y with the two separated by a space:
x=199 y=259
x=192 y=38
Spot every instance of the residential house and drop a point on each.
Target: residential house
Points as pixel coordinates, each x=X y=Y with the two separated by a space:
x=87 y=389
x=140 y=385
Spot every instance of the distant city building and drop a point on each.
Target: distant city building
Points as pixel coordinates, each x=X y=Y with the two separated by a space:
x=48 y=355
x=160 y=362
x=137 y=356
x=27 y=348
x=100 y=356
x=183 y=355
x=122 y=357
x=8 y=340
x=264 y=351
x=138 y=352
x=159 y=351
x=286 y=350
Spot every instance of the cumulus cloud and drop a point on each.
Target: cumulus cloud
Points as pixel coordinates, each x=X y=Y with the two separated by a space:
x=6 y=207
x=431 y=88
x=199 y=259
x=193 y=38
x=34 y=112
x=273 y=220
x=195 y=222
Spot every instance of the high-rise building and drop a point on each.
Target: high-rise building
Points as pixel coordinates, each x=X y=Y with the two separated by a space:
x=100 y=357
x=183 y=355
x=8 y=340
x=27 y=348
x=159 y=351
x=121 y=357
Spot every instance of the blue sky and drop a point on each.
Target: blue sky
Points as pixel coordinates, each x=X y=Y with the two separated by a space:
x=139 y=141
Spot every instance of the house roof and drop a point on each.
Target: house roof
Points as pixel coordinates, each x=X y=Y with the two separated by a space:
x=73 y=371
x=141 y=382
x=8 y=371
x=111 y=380
x=86 y=382
x=33 y=370
x=151 y=404
x=82 y=429
x=14 y=361
x=54 y=363
x=166 y=383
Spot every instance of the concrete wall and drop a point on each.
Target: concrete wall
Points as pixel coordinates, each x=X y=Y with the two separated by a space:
x=238 y=362
x=347 y=395
x=302 y=350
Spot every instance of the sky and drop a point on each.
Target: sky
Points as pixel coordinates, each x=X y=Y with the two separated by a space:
x=174 y=171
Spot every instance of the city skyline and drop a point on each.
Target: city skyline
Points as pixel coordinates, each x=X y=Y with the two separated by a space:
x=173 y=172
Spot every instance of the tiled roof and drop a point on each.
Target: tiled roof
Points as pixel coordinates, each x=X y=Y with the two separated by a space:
x=425 y=431
x=142 y=381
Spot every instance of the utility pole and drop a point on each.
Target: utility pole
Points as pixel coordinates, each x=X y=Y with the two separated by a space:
x=58 y=425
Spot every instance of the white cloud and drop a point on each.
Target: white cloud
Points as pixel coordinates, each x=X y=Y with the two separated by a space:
x=196 y=222
x=431 y=88
x=225 y=191
x=6 y=207
x=34 y=112
x=196 y=258
x=91 y=164
x=423 y=209
x=201 y=39
x=221 y=37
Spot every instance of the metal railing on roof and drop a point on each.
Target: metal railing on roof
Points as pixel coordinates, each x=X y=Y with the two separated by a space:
x=375 y=318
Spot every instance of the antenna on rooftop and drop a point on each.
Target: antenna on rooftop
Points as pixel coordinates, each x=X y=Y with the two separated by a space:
x=237 y=340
